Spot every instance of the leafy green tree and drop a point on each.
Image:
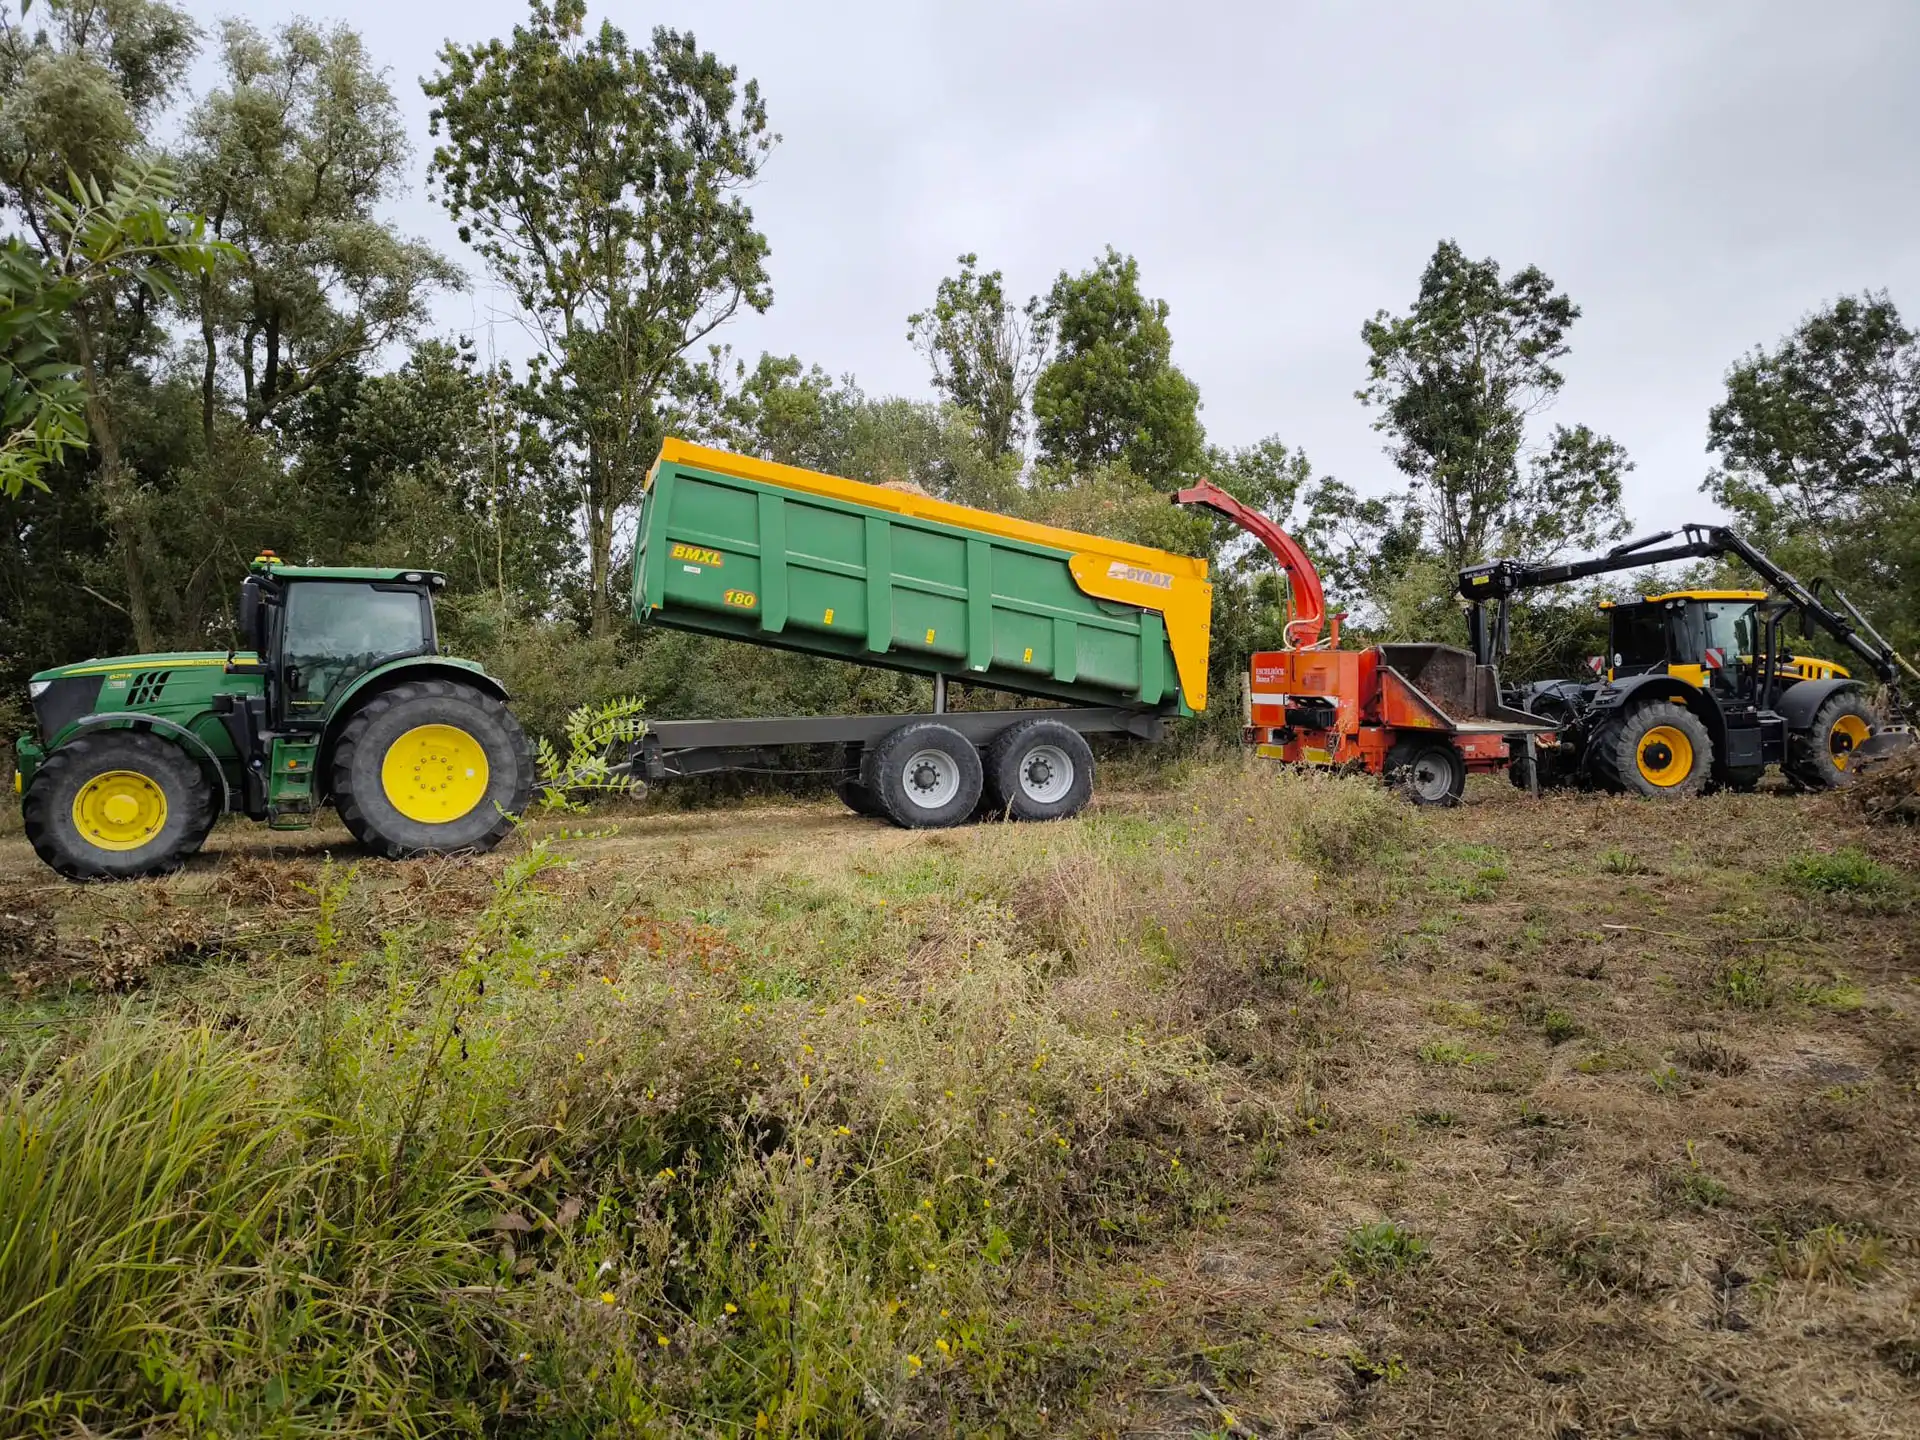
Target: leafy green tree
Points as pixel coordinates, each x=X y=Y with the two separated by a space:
x=1818 y=441
x=986 y=352
x=290 y=159
x=602 y=183
x=1112 y=392
x=1456 y=380
x=1824 y=422
x=80 y=81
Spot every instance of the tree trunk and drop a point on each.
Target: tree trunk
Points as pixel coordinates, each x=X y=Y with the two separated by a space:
x=210 y=365
x=117 y=496
x=600 y=514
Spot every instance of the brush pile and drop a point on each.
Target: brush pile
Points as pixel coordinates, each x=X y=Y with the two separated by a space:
x=1889 y=790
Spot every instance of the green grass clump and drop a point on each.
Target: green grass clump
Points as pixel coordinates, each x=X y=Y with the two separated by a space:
x=1382 y=1247
x=1847 y=871
x=1451 y=1052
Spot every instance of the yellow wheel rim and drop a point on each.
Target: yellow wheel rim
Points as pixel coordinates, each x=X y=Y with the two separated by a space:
x=1665 y=755
x=434 y=774
x=1848 y=734
x=120 y=810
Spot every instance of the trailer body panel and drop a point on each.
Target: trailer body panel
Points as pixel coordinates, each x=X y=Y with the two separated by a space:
x=776 y=555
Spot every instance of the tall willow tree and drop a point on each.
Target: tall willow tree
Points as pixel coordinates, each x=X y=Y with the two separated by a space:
x=602 y=183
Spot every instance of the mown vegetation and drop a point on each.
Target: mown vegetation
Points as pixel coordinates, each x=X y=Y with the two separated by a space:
x=1245 y=1104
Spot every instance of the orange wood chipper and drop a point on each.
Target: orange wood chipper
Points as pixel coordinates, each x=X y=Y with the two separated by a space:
x=1422 y=716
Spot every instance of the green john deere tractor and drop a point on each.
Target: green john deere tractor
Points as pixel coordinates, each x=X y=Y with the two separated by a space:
x=342 y=697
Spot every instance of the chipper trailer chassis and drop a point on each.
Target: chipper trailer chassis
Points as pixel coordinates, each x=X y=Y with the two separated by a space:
x=1696 y=689
x=1421 y=715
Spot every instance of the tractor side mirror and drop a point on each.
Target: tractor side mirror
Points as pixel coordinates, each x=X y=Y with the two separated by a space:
x=249 y=637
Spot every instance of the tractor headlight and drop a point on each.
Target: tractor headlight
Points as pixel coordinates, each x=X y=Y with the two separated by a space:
x=37 y=688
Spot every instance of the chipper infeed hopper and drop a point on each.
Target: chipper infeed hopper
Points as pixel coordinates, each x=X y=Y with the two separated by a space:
x=777 y=555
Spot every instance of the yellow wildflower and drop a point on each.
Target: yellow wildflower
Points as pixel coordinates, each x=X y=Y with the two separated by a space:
x=606 y=1297
x=914 y=1362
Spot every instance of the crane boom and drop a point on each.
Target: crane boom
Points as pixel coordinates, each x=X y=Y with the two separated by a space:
x=1500 y=580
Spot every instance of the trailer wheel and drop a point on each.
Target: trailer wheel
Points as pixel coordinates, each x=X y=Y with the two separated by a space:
x=117 y=805
x=1821 y=757
x=1039 y=770
x=925 y=776
x=1427 y=772
x=1660 y=750
x=853 y=794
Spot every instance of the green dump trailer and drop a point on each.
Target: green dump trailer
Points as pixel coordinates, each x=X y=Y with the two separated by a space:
x=777 y=555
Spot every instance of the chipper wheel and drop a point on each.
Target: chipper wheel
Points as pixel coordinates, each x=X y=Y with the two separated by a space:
x=1823 y=756
x=117 y=805
x=1660 y=750
x=1039 y=770
x=431 y=766
x=1427 y=772
x=925 y=776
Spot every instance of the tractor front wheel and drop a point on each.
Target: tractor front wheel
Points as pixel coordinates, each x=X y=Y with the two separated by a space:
x=117 y=805
x=1821 y=757
x=430 y=767
x=1660 y=750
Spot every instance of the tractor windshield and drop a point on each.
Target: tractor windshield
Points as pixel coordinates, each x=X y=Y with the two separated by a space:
x=336 y=630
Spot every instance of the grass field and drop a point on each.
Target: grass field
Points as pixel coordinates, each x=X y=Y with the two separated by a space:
x=1244 y=1105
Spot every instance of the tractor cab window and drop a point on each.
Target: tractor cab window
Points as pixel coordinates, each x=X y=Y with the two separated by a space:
x=337 y=630
x=1729 y=626
x=1639 y=639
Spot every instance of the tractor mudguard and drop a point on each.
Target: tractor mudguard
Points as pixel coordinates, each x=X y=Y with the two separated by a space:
x=416 y=667
x=1631 y=691
x=1800 y=703
x=170 y=730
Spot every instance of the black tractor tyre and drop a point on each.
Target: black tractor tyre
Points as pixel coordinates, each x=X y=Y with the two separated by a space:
x=1039 y=770
x=1820 y=757
x=925 y=776
x=848 y=759
x=361 y=795
x=168 y=787
x=1427 y=772
x=1659 y=750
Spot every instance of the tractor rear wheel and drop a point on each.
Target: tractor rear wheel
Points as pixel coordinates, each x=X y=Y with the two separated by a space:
x=1427 y=772
x=429 y=767
x=117 y=805
x=1660 y=750
x=1821 y=756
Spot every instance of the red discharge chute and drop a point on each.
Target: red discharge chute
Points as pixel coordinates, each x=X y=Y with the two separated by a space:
x=1309 y=601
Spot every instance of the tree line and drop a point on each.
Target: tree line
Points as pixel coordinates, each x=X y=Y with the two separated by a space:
x=211 y=342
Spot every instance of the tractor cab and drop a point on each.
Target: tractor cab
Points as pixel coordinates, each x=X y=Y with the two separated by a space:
x=316 y=630
x=1723 y=641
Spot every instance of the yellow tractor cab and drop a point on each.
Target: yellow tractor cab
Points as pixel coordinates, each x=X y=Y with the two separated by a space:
x=1704 y=637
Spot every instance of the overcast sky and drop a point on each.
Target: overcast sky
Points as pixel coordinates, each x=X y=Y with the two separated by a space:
x=1696 y=175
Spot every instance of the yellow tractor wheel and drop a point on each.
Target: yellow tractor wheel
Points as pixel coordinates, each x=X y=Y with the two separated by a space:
x=1660 y=750
x=117 y=805
x=1822 y=757
x=429 y=767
